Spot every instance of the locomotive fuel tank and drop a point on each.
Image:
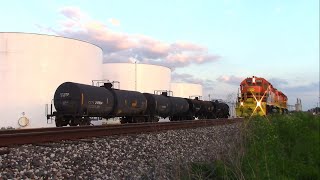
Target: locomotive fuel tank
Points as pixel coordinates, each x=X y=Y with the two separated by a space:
x=82 y=100
x=158 y=105
x=179 y=106
x=129 y=103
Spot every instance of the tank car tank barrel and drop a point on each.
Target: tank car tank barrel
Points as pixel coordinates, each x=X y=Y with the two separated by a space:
x=76 y=103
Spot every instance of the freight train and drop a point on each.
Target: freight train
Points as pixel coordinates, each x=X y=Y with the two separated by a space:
x=258 y=97
x=76 y=104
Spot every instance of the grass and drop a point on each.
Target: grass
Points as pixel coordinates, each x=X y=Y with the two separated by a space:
x=280 y=147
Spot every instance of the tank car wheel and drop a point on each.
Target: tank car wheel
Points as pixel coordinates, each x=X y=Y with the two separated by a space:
x=124 y=120
x=152 y=119
x=60 y=122
x=74 y=122
x=85 y=121
x=138 y=120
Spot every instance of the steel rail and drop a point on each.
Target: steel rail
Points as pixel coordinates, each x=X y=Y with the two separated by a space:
x=42 y=135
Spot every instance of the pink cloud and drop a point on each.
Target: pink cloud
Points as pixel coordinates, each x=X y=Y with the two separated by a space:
x=120 y=46
x=233 y=80
x=68 y=24
x=72 y=12
x=187 y=46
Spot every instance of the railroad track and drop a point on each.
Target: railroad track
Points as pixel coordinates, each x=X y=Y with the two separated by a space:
x=41 y=135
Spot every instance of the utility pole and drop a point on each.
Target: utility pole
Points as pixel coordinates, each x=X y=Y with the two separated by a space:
x=135 y=74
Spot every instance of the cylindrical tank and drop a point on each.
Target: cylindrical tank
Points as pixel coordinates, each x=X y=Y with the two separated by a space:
x=194 y=106
x=138 y=77
x=32 y=66
x=80 y=99
x=186 y=90
x=221 y=109
x=158 y=105
x=207 y=110
x=129 y=103
x=179 y=106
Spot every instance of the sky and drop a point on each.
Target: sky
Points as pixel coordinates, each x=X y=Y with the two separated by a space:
x=216 y=43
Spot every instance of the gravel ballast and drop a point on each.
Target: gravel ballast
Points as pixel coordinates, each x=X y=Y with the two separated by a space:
x=147 y=156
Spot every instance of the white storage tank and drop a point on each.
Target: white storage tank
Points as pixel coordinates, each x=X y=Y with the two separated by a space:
x=32 y=66
x=138 y=77
x=186 y=90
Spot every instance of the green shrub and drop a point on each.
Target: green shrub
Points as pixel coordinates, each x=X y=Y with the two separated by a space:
x=275 y=147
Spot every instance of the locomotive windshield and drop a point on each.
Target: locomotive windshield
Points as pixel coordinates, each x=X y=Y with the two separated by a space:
x=254 y=83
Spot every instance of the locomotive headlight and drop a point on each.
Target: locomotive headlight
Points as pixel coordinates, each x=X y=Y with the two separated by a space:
x=241 y=103
x=259 y=103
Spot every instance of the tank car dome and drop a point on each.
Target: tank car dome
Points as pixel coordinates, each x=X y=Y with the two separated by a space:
x=32 y=66
x=186 y=90
x=138 y=77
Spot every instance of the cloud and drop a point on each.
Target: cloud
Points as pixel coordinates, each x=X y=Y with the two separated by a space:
x=278 y=83
x=309 y=94
x=207 y=84
x=122 y=47
x=72 y=13
x=187 y=46
x=304 y=89
x=214 y=89
x=233 y=80
x=188 y=78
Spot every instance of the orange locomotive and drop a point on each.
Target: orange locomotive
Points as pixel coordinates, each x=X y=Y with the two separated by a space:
x=258 y=97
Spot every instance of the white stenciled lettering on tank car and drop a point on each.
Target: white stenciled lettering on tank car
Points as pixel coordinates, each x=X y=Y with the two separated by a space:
x=95 y=102
x=64 y=95
x=98 y=102
x=90 y=102
x=65 y=102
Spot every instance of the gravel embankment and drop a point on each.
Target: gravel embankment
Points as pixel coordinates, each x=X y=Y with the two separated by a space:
x=148 y=156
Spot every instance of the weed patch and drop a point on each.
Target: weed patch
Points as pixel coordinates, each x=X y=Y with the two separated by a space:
x=280 y=147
